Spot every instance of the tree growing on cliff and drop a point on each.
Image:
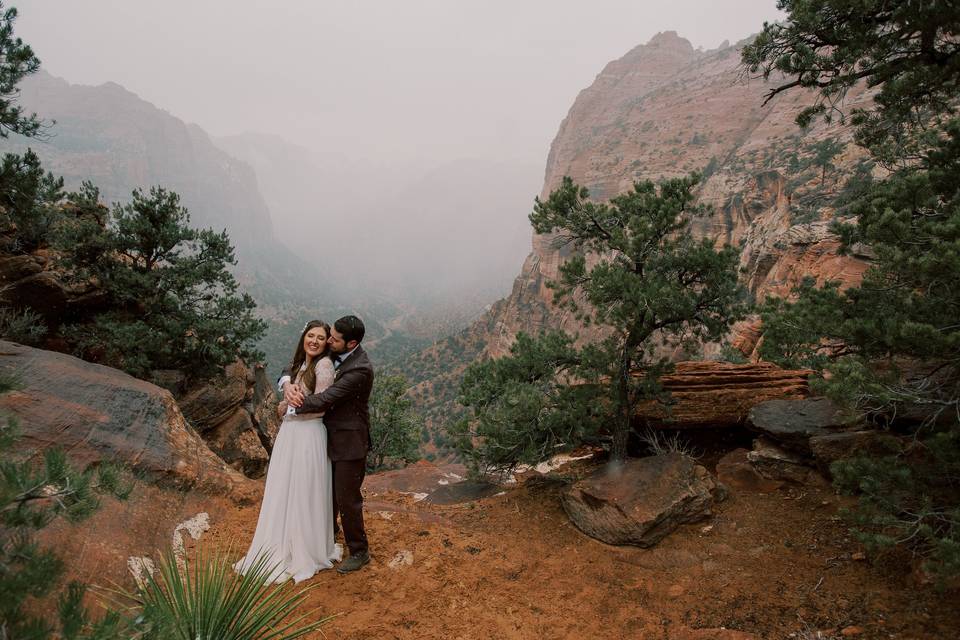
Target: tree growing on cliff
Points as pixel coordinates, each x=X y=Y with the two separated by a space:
x=173 y=303
x=906 y=308
x=641 y=277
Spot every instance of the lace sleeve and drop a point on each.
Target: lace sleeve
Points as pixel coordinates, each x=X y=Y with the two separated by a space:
x=325 y=374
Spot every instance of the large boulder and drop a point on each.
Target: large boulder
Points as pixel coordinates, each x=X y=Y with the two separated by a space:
x=236 y=441
x=792 y=423
x=101 y=414
x=641 y=500
x=720 y=394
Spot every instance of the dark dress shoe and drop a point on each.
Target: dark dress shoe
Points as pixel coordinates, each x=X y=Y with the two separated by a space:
x=354 y=562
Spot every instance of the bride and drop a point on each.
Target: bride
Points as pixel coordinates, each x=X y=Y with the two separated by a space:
x=295 y=526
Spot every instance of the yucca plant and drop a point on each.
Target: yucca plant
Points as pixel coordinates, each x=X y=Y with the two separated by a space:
x=205 y=600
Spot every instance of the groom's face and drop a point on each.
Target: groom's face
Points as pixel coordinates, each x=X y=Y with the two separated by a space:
x=338 y=344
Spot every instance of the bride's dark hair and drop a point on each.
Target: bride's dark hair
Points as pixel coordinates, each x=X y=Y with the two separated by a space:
x=309 y=379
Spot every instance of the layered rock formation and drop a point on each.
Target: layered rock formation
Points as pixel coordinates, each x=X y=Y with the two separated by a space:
x=719 y=394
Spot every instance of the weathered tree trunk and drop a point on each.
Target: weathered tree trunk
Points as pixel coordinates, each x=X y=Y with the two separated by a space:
x=622 y=426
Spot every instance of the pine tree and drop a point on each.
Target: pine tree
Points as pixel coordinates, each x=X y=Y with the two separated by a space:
x=650 y=285
x=173 y=303
x=16 y=62
x=394 y=426
x=892 y=343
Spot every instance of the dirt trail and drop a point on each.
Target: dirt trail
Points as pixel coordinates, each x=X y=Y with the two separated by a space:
x=512 y=566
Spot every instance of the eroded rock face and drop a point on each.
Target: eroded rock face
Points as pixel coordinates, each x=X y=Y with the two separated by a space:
x=98 y=414
x=264 y=402
x=720 y=394
x=210 y=404
x=641 y=500
x=236 y=415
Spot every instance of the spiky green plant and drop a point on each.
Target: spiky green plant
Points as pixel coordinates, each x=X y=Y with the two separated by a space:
x=203 y=599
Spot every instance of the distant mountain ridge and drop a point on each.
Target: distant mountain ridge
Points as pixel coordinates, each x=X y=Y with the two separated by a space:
x=117 y=140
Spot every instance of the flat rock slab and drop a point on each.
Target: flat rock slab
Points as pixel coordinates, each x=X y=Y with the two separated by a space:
x=97 y=414
x=793 y=422
x=640 y=501
x=459 y=492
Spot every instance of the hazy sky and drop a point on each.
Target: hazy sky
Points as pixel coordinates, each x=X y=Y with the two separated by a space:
x=412 y=82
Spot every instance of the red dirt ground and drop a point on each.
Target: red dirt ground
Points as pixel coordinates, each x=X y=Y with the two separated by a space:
x=771 y=565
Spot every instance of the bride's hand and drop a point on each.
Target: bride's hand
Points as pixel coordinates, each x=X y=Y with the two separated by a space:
x=292 y=394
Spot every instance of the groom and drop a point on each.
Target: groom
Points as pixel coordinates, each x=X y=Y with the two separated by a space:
x=347 y=417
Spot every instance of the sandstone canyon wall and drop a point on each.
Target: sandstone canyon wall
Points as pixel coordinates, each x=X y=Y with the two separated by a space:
x=664 y=110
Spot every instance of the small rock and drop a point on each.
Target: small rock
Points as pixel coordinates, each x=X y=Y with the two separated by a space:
x=776 y=463
x=675 y=591
x=707 y=529
x=851 y=631
x=386 y=515
x=404 y=558
x=859 y=556
x=735 y=471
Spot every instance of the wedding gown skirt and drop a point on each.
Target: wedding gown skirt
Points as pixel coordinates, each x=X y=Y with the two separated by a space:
x=296 y=516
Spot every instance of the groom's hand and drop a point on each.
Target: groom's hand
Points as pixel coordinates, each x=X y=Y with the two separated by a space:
x=292 y=394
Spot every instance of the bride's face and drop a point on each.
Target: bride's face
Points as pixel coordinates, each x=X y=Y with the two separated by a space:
x=314 y=341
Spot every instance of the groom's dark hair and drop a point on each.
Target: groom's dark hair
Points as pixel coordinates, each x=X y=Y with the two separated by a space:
x=350 y=327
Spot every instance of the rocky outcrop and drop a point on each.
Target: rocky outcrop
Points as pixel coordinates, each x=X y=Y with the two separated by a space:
x=31 y=281
x=100 y=414
x=737 y=473
x=720 y=394
x=641 y=500
x=236 y=415
x=665 y=109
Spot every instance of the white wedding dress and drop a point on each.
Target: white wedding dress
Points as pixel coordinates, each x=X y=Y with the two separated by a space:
x=296 y=516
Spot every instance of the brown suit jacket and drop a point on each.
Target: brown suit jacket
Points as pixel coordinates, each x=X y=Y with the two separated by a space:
x=345 y=407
